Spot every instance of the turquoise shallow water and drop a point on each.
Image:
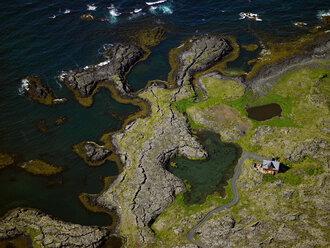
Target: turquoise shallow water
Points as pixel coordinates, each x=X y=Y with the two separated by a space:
x=33 y=42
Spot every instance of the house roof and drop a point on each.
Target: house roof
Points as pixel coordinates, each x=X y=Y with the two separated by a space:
x=266 y=164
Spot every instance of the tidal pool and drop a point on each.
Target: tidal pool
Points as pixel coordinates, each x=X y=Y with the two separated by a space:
x=209 y=175
x=264 y=112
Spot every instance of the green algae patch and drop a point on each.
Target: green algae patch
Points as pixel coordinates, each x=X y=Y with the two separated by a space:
x=60 y=120
x=42 y=126
x=149 y=37
x=39 y=167
x=16 y=242
x=250 y=47
x=5 y=160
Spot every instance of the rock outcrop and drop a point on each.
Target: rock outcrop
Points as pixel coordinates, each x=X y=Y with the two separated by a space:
x=203 y=53
x=146 y=188
x=120 y=58
x=46 y=231
x=95 y=153
x=92 y=153
x=35 y=90
x=268 y=75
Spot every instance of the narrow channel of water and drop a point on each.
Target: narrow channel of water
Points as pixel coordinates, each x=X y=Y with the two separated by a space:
x=209 y=175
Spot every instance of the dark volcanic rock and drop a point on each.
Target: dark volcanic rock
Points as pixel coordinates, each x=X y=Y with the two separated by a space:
x=46 y=231
x=95 y=153
x=204 y=52
x=34 y=89
x=119 y=59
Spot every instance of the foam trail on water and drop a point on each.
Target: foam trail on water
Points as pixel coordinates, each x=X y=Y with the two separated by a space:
x=165 y=9
x=157 y=2
x=91 y=7
x=67 y=11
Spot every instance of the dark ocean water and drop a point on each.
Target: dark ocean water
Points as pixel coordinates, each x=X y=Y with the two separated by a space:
x=46 y=37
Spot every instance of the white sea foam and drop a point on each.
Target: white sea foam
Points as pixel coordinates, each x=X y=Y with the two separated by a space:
x=62 y=76
x=250 y=16
x=103 y=63
x=322 y=13
x=153 y=10
x=299 y=24
x=157 y=2
x=137 y=10
x=113 y=11
x=91 y=7
x=24 y=86
x=52 y=17
x=67 y=11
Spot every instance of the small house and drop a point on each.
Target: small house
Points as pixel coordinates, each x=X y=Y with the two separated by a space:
x=268 y=166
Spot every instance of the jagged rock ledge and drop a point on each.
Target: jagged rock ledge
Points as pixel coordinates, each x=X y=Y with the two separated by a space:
x=46 y=231
x=264 y=78
x=35 y=90
x=92 y=153
x=120 y=58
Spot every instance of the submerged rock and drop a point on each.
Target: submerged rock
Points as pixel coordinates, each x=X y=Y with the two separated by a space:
x=46 y=231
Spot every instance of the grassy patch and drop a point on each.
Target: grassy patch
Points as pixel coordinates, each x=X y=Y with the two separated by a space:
x=269 y=178
x=293 y=179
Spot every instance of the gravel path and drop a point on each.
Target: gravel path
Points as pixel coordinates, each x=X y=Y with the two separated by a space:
x=245 y=155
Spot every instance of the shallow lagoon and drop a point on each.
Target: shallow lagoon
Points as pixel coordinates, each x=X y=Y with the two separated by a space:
x=209 y=175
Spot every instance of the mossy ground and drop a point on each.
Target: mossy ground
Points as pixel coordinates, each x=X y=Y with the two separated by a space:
x=299 y=115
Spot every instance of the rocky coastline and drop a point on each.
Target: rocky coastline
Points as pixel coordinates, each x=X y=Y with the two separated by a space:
x=36 y=91
x=144 y=189
x=47 y=231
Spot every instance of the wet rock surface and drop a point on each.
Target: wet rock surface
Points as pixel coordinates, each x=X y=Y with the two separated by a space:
x=204 y=52
x=36 y=91
x=120 y=58
x=46 y=231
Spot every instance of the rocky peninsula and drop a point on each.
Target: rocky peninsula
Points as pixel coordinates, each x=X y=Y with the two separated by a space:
x=146 y=196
